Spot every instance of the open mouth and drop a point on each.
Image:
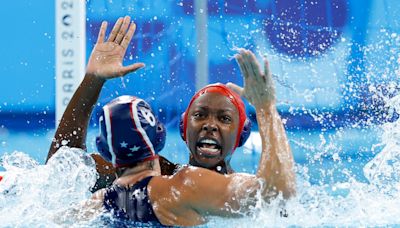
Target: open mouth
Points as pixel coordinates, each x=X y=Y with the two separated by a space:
x=208 y=147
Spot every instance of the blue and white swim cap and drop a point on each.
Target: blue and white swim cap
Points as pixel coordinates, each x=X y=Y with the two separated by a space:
x=129 y=132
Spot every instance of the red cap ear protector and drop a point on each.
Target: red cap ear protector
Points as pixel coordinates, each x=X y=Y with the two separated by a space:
x=244 y=123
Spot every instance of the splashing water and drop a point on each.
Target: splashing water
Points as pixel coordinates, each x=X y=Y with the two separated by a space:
x=384 y=170
x=33 y=194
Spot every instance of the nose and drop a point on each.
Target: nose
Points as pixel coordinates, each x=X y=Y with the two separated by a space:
x=210 y=127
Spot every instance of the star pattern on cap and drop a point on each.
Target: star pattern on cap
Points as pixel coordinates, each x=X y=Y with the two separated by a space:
x=134 y=148
x=123 y=144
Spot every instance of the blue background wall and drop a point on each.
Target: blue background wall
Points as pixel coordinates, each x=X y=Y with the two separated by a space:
x=26 y=62
x=329 y=57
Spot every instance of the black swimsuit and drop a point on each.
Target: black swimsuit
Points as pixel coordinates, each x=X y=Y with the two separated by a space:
x=131 y=203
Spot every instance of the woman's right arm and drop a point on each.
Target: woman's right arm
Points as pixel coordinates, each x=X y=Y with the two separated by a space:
x=276 y=166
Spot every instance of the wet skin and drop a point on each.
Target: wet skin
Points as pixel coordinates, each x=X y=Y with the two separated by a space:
x=211 y=132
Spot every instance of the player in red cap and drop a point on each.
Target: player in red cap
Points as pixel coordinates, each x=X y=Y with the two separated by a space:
x=215 y=150
x=213 y=125
x=130 y=138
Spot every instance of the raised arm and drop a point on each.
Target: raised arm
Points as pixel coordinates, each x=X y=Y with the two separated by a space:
x=276 y=162
x=105 y=62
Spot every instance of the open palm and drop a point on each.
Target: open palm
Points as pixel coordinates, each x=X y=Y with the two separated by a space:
x=258 y=88
x=106 y=58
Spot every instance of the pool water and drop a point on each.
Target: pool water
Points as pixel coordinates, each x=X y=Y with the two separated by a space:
x=318 y=151
x=345 y=177
x=339 y=180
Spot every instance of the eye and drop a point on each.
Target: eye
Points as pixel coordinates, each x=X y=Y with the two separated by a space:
x=226 y=119
x=198 y=115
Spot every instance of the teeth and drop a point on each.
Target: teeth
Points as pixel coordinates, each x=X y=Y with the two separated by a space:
x=208 y=141
x=209 y=150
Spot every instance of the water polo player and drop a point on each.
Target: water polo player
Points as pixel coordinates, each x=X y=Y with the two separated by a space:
x=187 y=198
x=213 y=125
x=211 y=129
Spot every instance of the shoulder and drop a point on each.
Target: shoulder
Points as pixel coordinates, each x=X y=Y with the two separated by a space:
x=185 y=178
x=174 y=198
x=188 y=176
x=190 y=182
x=192 y=171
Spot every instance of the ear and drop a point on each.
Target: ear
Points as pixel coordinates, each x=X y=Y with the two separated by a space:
x=161 y=135
x=245 y=132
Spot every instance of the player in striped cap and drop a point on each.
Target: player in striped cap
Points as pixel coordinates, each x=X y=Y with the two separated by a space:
x=129 y=132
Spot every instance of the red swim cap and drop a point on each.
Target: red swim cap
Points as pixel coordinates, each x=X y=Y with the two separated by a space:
x=225 y=91
x=1 y=178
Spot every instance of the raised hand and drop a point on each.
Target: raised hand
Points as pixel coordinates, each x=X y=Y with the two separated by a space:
x=106 y=58
x=105 y=62
x=258 y=88
x=276 y=162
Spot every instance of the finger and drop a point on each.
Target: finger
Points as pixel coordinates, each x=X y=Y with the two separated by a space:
x=102 y=32
x=256 y=69
x=115 y=30
x=242 y=67
x=268 y=76
x=267 y=70
x=237 y=89
x=122 y=30
x=128 y=37
x=131 y=68
x=249 y=66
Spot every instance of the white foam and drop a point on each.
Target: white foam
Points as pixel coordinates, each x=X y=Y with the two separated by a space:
x=32 y=194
